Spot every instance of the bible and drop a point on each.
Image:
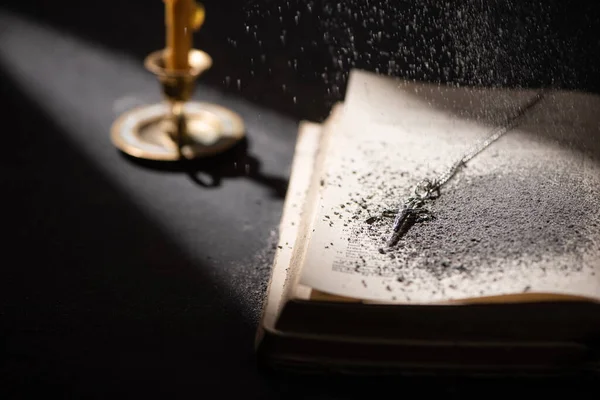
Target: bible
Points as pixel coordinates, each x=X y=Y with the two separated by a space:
x=503 y=276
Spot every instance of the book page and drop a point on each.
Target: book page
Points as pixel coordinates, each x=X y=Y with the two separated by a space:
x=300 y=178
x=308 y=211
x=522 y=217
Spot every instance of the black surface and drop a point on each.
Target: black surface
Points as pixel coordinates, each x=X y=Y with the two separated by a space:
x=123 y=278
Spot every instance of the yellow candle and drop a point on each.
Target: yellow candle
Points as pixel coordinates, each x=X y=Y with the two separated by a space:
x=178 y=20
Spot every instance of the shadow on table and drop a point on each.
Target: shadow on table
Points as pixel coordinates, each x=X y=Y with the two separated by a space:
x=209 y=173
x=376 y=387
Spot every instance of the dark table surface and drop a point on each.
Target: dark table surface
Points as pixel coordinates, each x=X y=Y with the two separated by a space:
x=120 y=277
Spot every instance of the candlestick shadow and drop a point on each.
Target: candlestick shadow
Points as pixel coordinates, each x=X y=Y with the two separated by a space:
x=211 y=172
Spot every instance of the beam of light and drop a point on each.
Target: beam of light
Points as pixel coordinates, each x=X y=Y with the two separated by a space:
x=83 y=87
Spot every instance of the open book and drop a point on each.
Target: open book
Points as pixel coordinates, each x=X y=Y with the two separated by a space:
x=504 y=274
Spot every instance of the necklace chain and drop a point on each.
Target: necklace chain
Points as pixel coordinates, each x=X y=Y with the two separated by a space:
x=428 y=190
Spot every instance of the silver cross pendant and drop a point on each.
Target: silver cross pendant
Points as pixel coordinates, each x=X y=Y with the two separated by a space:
x=412 y=209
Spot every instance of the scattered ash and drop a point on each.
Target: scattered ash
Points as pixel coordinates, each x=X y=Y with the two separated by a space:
x=255 y=278
x=493 y=218
x=487 y=222
x=512 y=218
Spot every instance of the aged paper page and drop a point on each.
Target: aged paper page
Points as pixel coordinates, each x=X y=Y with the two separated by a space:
x=300 y=178
x=522 y=217
x=292 y=288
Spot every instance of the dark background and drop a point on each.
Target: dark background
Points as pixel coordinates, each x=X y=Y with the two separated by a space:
x=122 y=278
x=491 y=43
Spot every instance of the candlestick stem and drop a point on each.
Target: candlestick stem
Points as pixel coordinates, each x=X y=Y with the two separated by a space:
x=178 y=134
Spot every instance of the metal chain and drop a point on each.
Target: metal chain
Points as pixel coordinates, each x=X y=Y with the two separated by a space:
x=496 y=134
x=428 y=190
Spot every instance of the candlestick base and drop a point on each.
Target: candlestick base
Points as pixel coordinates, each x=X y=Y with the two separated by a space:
x=177 y=129
x=147 y=132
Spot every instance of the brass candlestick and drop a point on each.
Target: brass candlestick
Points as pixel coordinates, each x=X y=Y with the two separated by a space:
x=177 y=128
